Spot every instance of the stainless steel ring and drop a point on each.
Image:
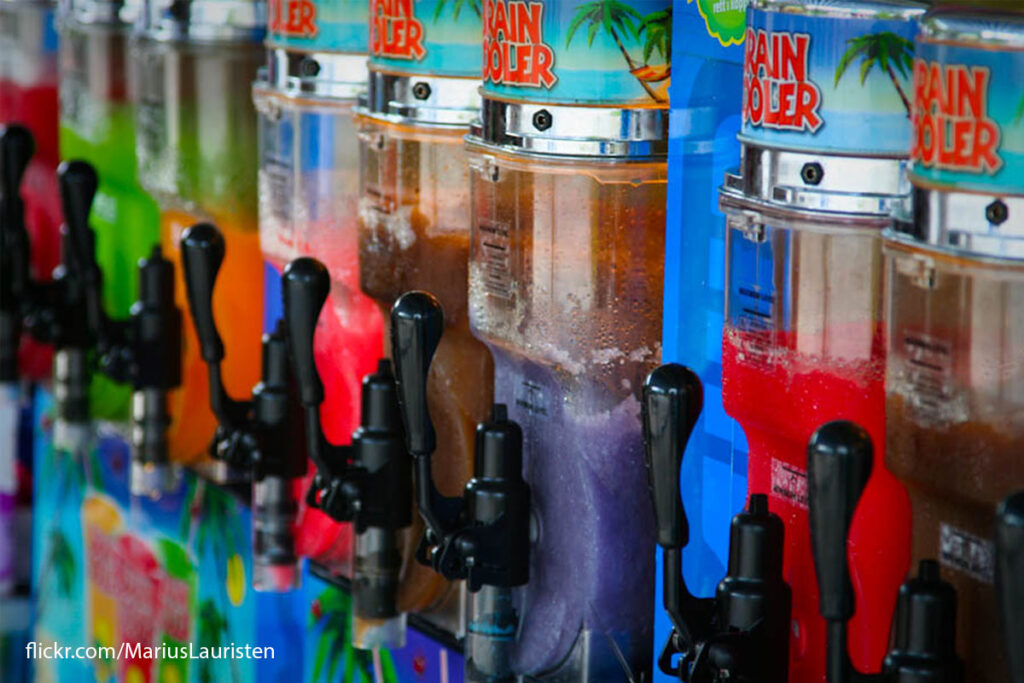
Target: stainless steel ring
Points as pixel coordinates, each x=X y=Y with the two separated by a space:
x=971 y=223
x=809 y=181
x=571 y=131
x=421 y=99
x=328 y=75
x=200 y=21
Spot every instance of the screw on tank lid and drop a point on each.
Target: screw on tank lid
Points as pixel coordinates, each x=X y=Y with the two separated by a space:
x=201 y=20
x=967 y=156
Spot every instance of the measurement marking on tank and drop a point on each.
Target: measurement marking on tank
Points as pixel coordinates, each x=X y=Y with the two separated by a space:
x=964 y=552
x=495 y=247
x=928 y=374
x=532 y=398
x=280 y=176
x=789 y=483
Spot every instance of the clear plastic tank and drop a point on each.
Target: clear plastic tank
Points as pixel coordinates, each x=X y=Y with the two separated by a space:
x=196 y=132
x=96 y=125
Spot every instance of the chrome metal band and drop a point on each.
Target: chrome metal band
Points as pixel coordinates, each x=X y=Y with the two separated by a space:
x=566 y=130
x=967 y=223
x=202 y=20
x=94 y=12
x=424 y=100
x=330 y=75
x=804 y=181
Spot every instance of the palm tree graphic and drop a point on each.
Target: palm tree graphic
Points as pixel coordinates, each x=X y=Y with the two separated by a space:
x=331 y=615
x=618 y=19
x=457 y=6
x=892 y=54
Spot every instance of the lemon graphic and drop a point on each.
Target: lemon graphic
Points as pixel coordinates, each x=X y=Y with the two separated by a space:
x=170 y=674
x=134 y=675
x=236 y=580
x=102 y=631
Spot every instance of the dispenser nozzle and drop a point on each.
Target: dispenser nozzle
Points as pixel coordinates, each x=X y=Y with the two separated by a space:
x=417 y=323
x=839 y=461
x=732 y=634
x=1010 y=580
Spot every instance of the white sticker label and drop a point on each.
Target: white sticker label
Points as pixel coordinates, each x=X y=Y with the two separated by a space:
x=966 y=553
x=789 y=483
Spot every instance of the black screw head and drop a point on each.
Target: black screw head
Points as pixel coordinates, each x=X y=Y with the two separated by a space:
x=309 y=67
x=997 y=212
x=812 y=173
x=421 y=90
x=542 y=120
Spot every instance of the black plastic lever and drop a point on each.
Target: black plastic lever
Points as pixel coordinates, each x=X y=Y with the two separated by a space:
x=369 y=482
x=922 y=650
x=1010 y=580
x=672 y=402
x=742 y=633
x=202 y=253
x=16 y=149
x=417 y=323
x=304 y=289
x=78 y=184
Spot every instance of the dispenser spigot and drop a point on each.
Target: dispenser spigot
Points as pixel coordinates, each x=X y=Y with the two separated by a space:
x=922 y=650
x=154 y=353
x=16 y=149
x=262 y=438
x=484 y=536
x=417 y=323
x=362 y=482
x=369 y=482
x=1010 y=580
x=742 y=633
x=202 y=253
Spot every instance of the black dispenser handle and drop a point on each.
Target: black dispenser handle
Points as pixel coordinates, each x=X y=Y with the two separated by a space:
x=1010 y=580
x=202 y=253
x=672 y=401
x=742 y=633
x=417 y=323
x=16 y=149
x=839 y=461
x=78 y=185
x=304 y=289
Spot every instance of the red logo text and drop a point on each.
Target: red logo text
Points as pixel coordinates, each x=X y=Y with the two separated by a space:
x=395 y=31
x=293 y=18
x=514 y=50
x=776 y=90
x=952 y=129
